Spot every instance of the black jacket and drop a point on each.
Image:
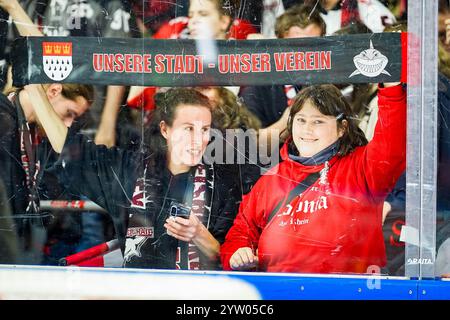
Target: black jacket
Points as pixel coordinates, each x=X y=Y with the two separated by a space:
x=8 y=237
x=11 y=171
x=109 y=177
x=13 y=176
x=266 y=102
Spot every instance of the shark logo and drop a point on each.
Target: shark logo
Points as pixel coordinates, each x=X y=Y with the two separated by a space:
x=370 y=63
x=133 y=247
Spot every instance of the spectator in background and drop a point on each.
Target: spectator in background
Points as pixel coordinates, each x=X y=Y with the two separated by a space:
x=220 y=16
x=443 y=202
x=398 y=7
x=24 y=154
x=444 y=24
x=271 y=10
x=442 y=266
x=443 y=179
x=339 y=13
x=269 y=102
x=395 y=204
x=151 y=15
x=214 y=19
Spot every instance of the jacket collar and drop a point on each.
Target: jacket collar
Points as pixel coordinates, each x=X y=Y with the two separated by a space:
x=284 y=152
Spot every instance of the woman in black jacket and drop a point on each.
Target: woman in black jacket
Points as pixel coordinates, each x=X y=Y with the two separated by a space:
x=139 y=189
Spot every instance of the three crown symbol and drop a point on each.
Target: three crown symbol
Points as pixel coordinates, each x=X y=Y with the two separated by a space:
x=57 y=48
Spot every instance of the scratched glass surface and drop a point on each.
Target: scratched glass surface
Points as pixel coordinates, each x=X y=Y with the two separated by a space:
x=162 y=174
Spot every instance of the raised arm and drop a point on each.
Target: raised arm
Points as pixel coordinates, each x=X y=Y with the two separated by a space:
x=385 y=156
x=54 y=127
x=24 y=25
x=105 y=176
x=106 y=133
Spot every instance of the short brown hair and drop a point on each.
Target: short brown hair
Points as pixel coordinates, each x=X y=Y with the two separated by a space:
x=69 y=90
x=329 y=100
x=73 y=91
x=300 y=16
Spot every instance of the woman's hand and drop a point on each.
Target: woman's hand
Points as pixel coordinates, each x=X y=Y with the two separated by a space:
x=184 y=229
x=243 y=259
x=193 y=230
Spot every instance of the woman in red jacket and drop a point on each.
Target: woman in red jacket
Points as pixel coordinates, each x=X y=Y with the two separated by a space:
x=334 y=224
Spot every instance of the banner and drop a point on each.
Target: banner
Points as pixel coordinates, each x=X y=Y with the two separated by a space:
x=362 y=58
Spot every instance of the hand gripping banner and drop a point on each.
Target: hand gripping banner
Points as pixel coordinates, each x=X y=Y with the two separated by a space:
x=362 y=58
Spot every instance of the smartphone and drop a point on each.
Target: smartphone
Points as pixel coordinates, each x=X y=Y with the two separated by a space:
x=179 y=210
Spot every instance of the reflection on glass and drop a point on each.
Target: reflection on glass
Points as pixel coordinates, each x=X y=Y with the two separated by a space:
x=176 y=149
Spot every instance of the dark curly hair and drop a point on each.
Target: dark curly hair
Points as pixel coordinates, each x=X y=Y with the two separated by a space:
x=230 y=113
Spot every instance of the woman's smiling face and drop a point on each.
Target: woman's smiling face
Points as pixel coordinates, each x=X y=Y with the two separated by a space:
x=188 y=135
x=313 y=131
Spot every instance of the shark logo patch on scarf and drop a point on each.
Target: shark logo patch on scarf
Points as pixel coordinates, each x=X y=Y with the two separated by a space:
x=370 y=63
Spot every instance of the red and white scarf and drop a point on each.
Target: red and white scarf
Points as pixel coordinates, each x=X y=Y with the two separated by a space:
x=198 y=208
